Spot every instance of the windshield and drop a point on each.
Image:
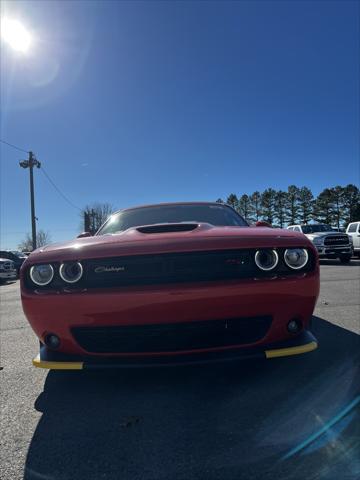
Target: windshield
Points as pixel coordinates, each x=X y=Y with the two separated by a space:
x=316 y=228
x=219 y=215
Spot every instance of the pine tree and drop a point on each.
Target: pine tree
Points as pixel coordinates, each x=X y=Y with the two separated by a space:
x=323 y=209
x=337 y=204
x=233 y=201
x=351 y=204
x=280 y=207
x=245 y=208
x=292 y=207
x=268 y=205
x=255 y=200
x=305 y=204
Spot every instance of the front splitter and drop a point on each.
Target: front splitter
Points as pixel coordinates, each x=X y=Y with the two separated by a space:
x=303 y=343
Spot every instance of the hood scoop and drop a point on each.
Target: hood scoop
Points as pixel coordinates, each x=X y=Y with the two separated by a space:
x=168 y=228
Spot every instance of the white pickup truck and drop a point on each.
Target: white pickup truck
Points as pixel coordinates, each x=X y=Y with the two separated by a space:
x=7 y=270
x=329 y=243
x=353 y=230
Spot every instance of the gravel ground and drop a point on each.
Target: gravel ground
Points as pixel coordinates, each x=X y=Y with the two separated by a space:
x=235 y=421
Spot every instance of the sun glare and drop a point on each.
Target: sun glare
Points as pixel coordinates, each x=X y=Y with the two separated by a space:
x=15 y=34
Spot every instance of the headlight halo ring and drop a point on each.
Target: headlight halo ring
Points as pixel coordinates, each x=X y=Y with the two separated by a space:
x=41 y=284
x=66 y=264
x=273 y=252
x=300 y=266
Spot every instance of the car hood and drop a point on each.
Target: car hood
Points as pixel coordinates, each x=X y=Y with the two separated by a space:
x=201 y=237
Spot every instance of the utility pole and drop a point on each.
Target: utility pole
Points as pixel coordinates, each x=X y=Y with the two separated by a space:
x=93 y=226
x=86 y=222
x=31 y=163
x=89 y=221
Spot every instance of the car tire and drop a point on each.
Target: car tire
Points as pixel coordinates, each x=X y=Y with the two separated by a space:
x=345 y=258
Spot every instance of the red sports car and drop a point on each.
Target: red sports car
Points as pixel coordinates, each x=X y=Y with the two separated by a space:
x=171 y=284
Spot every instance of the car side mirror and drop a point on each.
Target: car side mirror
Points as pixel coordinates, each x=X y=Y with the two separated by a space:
x=262 y=223
x=84 y=234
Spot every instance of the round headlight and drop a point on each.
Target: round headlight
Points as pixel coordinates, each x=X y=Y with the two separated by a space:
x=266 y=259
x=296 y=258
x=71 y=272
x=42 y=274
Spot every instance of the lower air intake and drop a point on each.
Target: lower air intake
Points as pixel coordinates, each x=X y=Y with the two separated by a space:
x=172 y=337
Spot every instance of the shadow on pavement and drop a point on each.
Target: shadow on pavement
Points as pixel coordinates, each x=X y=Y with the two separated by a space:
x=290 y=418
x=2 y=284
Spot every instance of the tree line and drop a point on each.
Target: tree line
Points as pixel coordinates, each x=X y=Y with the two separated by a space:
x=336 y=206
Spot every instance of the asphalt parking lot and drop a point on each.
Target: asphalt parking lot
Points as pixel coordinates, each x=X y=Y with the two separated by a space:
x=289 y=418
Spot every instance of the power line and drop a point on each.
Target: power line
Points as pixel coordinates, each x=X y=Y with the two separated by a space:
x=46 y=175
x=14 y=146
x=59 y=191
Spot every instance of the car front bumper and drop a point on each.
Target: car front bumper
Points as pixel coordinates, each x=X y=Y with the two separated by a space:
x=8 y=275
x=52 y=360
x=324 y=251
x=281 y=298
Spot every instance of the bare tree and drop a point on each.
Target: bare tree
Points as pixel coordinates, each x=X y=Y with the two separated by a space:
x=42 y=238
x=94 y=215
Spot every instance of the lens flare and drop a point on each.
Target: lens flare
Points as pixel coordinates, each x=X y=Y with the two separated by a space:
x=15 y=34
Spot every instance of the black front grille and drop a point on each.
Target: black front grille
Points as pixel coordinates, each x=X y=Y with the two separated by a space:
x=6 y=266
x=176 y=268
x=336 y=240
x=172 y=337
x=167 y=268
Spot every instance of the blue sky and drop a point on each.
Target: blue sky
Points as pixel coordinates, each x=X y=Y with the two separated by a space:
x=139 y=102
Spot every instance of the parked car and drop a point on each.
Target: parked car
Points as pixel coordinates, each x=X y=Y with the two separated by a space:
x=353 y=230
x=15 y=257
x=171 y=283
x=7 y=270
x=329 y=243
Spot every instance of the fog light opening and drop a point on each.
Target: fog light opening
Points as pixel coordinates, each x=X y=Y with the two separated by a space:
x=52 y=341
x=294 y=326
